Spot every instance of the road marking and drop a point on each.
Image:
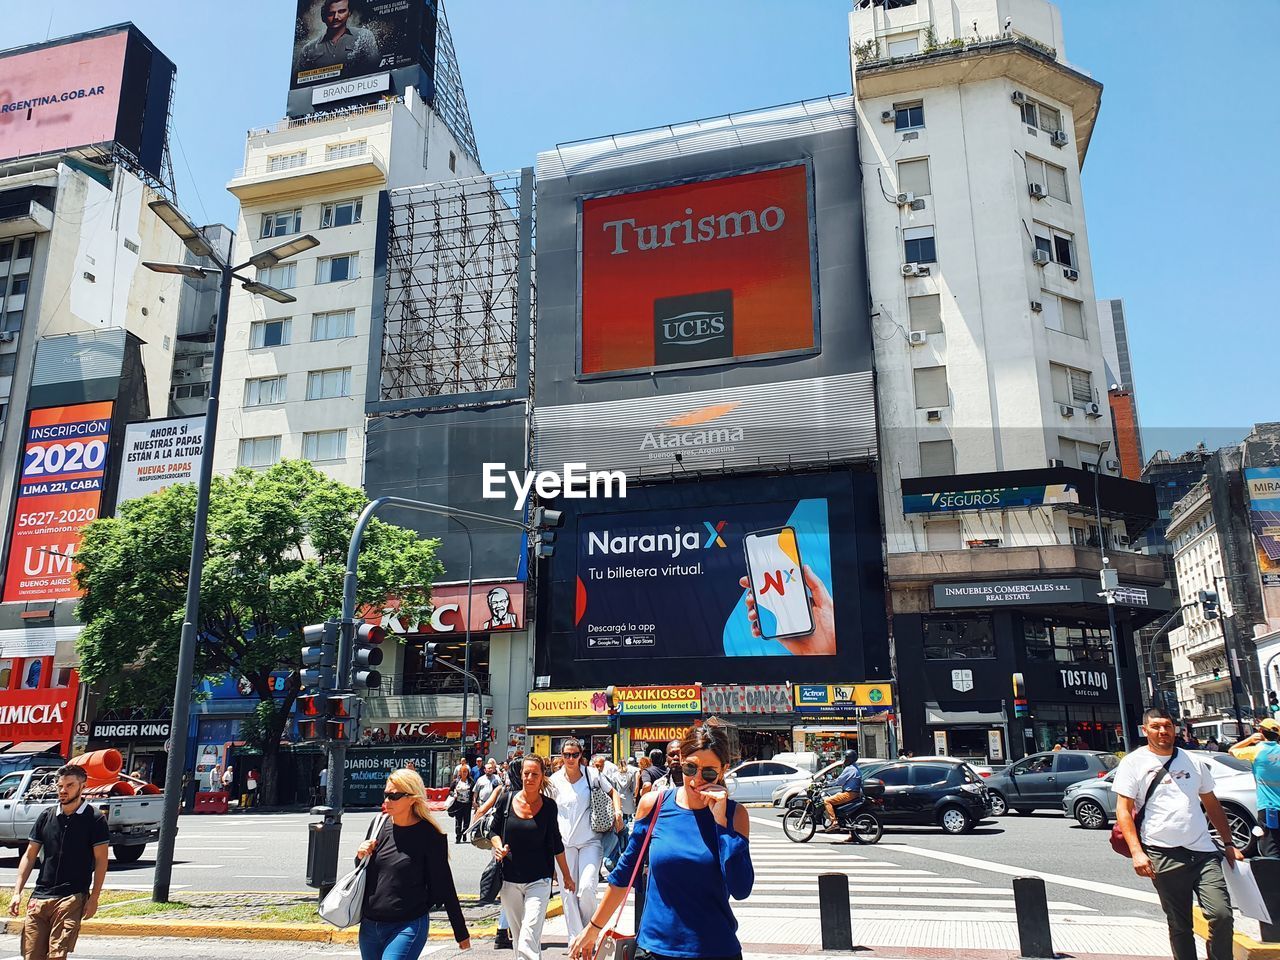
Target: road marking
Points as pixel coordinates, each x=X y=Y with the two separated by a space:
x=812 y=889
x=914 y=902
x=261 y=876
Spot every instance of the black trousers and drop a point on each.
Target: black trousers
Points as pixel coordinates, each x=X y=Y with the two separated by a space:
x=462 y=820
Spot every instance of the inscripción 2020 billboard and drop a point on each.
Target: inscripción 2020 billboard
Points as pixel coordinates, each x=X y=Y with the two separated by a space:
x=698 y=273
x=63 y=468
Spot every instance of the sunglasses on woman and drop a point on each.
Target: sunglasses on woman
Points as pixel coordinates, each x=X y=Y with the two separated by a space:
x=571 y=755
x=709 y=774
x=394 y=795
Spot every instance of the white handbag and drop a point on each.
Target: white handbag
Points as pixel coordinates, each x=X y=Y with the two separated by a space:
x=342 y=905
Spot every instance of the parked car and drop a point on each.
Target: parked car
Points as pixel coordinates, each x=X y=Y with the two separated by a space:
x=1039 y=781
x=939 y=791
x=755 y=780
x=1093 y=803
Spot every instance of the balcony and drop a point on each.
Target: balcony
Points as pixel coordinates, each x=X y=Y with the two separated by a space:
x=925 y=567
x=310 y=169
x=21 y=217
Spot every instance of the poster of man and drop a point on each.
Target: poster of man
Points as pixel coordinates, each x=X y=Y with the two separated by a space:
x=501 y=616
x=345 y=39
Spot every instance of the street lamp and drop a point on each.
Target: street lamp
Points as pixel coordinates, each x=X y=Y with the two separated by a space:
x=196 y=242
x=1110 y=580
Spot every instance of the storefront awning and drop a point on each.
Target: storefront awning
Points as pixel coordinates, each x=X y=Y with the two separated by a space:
x=37 y=746
x=935 y=716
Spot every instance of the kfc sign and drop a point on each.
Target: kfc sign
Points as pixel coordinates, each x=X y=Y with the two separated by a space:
x=493 y=606
x=40 y=714
x=429 y=732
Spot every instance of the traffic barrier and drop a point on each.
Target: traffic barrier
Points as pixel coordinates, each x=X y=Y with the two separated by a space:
x=209 y=801
x=437 y=798
x=1031 y=904
x=834 y=911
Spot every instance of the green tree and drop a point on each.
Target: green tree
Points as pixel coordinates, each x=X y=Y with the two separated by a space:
x=275 y=556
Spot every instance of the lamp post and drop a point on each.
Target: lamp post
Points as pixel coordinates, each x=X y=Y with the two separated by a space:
x=1110 y=580
x=1229 y=648
x=198 y=244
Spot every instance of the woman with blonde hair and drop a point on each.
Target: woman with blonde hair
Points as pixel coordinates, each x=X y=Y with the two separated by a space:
x=408 y=872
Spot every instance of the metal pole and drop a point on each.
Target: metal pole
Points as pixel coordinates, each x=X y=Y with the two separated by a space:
x=1111 y=608
x=177 y=760
x=1229 y=646
x=466 y=655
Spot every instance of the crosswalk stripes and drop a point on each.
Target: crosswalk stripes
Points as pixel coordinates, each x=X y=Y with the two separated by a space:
x=786 y=886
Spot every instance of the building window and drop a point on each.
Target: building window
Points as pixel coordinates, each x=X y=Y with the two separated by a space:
x=337 y=269
x=335 y=325
x=1064 y=249
x=8 y=361
x=325 y=445
x=918 y=245
x=908 y=116
x=190 y=391
x=453 y=162
x=259 y=451
x=1050 y=176
x=286 y=161
x=937 y=458
x=926 y=313
x=1065 y=641
x=281 y=223
x=327 y=384
x=282 y=276
x=1063 y=314
x=341 y=151
x=959 y=638
x=942 y=535
x=1078 y=454
x=931 y=387
x=913 y=177
x=1044 y=245
x=1071 y=386
x=1029 y=113
x=904 y=46
x=1050 y=119
x=342 y=214
x=269 y=333
x=264 y=390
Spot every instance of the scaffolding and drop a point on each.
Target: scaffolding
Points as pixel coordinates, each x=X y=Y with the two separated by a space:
x=450 y=97
x=452 y=327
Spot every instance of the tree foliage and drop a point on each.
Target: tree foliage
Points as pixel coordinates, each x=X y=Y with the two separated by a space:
x=274 y=561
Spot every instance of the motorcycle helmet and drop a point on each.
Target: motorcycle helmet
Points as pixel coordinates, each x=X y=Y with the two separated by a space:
x=850 y=757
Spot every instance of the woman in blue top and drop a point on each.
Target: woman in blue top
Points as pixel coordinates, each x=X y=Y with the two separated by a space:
x=699 y=857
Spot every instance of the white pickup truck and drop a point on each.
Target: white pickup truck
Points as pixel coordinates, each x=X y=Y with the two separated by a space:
x=133 y=821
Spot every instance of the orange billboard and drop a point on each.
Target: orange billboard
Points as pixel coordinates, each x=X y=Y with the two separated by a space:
x=705 y=272
x=63 y=470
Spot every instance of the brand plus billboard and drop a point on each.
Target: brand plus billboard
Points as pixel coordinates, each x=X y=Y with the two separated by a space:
x=340 y=41
x=60 y=490
x=695 y=273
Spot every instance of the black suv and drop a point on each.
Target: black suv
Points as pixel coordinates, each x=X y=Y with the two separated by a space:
x=945 y=793
x=1038 y=782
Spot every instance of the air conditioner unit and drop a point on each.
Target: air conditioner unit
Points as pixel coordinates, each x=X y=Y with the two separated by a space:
x=1093 y=411
x=1066 y=410
x=934 y=416
x=1037 y=306
x=917 y=338
x=888 y=116
x=1121 y=540
x=1070 y=274
x=905 y=198
x=7 y=336
x=1059 y=138
x=1036 y=190
x=1057 y=463
x=915 y=270
x=917 y=204
x=1040 y=257
x=1019 y=97
x=1113 y=465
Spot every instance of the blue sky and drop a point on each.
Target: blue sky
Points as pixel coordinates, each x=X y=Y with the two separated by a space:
x=1177 y=182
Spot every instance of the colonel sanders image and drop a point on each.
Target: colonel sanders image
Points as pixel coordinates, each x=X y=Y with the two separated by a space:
x=342 y=44
x=501 y=616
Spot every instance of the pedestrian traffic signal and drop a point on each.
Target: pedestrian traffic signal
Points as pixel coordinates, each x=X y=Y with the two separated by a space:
x=366 y=656
x=319 y=655
x=328 y=716
x=1209 y=604
x=1273 y=702
x=429 y=655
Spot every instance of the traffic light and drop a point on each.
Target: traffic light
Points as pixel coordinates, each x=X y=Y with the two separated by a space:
x=328 y=716
x=311 y=711
x=366 y=655
x=1273 y=702
x=429 y=655
x=319 y=655
x=544 y=539
x=485 y=731
x=1209 y=604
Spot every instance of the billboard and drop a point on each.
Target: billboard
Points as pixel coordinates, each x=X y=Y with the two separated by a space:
x=158 y=454
x=1264 y=520
x=111 y=86
x=338 y=41
x=60 y=490
x=709 y=271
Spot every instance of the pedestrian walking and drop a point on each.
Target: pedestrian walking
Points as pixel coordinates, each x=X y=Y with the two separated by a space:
x=250 y=790
x=699 y=857
x=501 y=785
x=654 y=772
x=526 y=841
x=1262 y=750
x=460 y=802
x=323 y=783
x=583 y=846
x=228 y=779
x=1166 y=788
x=488 y=783
x=215 y=778
x=408 y=873
x=73 y=838
x=671 y=772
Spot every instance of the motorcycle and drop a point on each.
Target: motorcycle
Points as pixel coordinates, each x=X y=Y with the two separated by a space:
x=858 y=817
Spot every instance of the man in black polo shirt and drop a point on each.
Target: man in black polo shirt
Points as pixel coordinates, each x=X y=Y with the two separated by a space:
x=74 y=837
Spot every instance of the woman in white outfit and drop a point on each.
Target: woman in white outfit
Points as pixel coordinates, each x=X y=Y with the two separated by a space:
x=583 y=849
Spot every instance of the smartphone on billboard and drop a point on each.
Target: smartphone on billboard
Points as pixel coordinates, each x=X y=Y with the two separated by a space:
x=775 y=571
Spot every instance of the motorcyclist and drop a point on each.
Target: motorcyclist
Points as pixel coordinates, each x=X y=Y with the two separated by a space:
x=849 y=781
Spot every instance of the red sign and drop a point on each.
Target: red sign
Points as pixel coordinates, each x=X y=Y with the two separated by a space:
x=432 y=732
x=48 y=714
x=494 y=606
x=63 y=467
x=698 y=273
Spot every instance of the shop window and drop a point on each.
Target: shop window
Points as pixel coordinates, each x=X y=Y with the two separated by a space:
x=954 y=638
x=1061 y=641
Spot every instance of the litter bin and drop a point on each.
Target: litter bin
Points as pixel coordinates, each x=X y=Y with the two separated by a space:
x=322 y=848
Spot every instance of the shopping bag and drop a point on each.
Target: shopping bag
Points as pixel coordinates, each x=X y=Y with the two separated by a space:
x=1243 y=887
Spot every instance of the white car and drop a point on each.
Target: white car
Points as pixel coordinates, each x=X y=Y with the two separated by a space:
x=796 y=788
x=755 y=780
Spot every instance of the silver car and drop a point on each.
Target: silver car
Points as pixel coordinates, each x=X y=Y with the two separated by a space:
x=1093 y=804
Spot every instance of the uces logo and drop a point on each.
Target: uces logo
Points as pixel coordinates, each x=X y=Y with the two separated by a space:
x=694 y=327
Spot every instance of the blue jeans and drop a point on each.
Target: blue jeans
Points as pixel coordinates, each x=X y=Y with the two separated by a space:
x=393 y=939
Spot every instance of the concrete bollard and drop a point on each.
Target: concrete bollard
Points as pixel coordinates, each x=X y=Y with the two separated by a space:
x=1032 y=907
x=834 y=911
x=1266 y=871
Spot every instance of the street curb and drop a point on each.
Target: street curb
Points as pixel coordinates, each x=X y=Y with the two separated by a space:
x=1244 y=947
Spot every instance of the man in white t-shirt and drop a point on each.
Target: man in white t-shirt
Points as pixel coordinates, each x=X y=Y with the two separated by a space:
x=583 y=847
x=1168 y=787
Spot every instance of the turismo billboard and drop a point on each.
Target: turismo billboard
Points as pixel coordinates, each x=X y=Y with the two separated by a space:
x=60 y=490
x=700 y=272
x=337 y=40
x=158 y=454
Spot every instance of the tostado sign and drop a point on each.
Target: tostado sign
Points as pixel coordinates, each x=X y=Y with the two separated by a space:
x=123 y=730
x=1084 y=681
